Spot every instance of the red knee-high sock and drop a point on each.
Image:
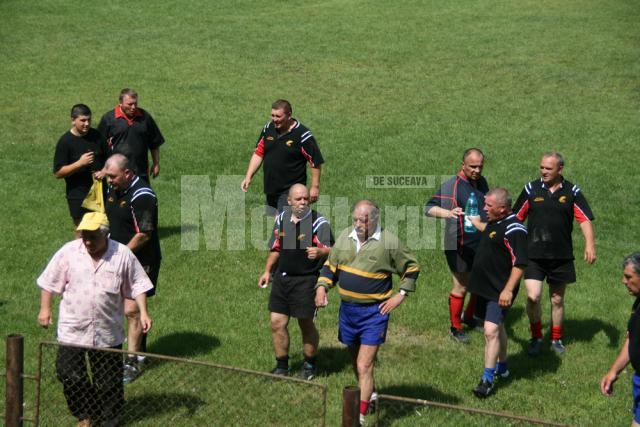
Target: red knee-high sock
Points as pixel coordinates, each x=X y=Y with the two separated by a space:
x=455 y=310
x=364 y=407
x=471 y=307
x=536 y=330
x=556 y=332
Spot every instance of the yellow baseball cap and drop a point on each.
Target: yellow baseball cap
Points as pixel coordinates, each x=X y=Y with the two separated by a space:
x=92 y=221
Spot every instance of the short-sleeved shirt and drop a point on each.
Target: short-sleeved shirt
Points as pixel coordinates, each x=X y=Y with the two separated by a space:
x=285 y=156
x=133 y=137
x=132 y=211
x=633 y=329
x=92 y=308
x=452 y=194
x=550 y=218
x=291 y=240
x=503 y=245
x=69 y=150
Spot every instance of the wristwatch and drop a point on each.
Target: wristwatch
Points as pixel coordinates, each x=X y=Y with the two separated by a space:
x=403 y=292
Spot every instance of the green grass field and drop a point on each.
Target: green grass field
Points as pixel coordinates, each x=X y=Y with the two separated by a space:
x=388 y=89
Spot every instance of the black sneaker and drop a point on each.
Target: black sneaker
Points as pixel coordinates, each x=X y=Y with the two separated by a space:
x=280 y=371
x=535 y=345
x=483 y=389
x=458 y=335
x=471 y=323
x=308 y=372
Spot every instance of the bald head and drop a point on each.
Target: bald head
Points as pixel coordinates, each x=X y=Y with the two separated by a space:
x=119 y=161
x=365 y=217
x=118 y=171
x=298 y=200
x=297 y=188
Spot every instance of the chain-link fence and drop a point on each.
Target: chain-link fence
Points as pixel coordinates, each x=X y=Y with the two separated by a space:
x=82 y=383
x=401 y=411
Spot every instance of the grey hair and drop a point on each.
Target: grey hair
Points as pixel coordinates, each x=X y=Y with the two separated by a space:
x=502 y=196
x=104 y=229
x=633 y=260
x=374 y=212
x=120 y=161
x=559 y=157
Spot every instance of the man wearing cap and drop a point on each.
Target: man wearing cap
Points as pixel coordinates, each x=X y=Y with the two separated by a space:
x=93 y=275
x=132 y=208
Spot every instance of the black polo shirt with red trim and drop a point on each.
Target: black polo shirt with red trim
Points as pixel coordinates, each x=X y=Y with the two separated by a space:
x=550 y=217
x=503 y=245
x=133 y=137
x=292 y=239
x=454 y=193
x=69 y=150
x=285 y=156
x=132 y=211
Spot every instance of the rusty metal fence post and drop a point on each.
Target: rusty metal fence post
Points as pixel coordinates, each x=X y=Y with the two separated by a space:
x=351 y=406
x=14 y=388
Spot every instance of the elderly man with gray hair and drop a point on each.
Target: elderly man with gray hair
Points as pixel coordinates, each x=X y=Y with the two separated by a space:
x=93 y=275
x=630 y=351
x=362 y=261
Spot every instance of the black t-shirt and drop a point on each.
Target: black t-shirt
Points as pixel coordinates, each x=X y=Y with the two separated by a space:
x=503 y=245
x=292 y=240
x=633 y=329
x=285 y=156
x=550 y=218
x=133 y=211
x=69 y=149
x=452 y=194
x=132 y=137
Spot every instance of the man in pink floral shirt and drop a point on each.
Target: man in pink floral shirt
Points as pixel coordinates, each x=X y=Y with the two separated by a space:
x=93 y=275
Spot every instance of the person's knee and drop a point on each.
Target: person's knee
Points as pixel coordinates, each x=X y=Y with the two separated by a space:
x=278 y=325
x=491 y=333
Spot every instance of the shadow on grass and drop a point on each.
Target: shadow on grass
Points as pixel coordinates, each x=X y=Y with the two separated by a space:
x=584 y=330
x=392 y=411
x=332 y=360
x=167 y=231
x=182 y=344
x=145 y=406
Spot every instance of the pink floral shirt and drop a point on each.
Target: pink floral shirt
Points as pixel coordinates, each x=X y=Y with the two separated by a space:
x=92 y=306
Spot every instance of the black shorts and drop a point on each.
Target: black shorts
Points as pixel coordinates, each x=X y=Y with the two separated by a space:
x=276 y=202
x=490 y=311
x=153 y=271
x=293 y=295
x=76 y=210
x=556 y=271
x=461 y=260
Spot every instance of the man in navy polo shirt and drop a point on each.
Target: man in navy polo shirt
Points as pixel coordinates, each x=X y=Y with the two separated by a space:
x=630 y=351
x=460 y=246
x=550 y=204
x=132 y=209
x=299 y=245
x=285 y=146
x=495 y=279
x=131 y=131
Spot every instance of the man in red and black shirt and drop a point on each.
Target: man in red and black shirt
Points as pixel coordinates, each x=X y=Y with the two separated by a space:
x=495 y=279
x=285 y=146
x=550 y=205
x=460 y=246
x=299 y=245
x=131 y=131
x=132 y=209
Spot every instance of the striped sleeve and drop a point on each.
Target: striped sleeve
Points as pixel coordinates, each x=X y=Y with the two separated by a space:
x=521 y=207
x=515 y=240
x=581 y=210
x=407 y=267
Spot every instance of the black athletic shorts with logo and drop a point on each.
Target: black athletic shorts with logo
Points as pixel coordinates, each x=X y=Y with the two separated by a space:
x=293 y=295
x=556 y=271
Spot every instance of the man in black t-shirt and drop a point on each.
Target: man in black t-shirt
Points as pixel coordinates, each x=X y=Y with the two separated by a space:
x=132 y=209
x=299 y=245
x=550 y=204
x=495 y=278
x=460 y=247
x=131 y=131
x=80 y=155
x=630 y=351
x=285 y=146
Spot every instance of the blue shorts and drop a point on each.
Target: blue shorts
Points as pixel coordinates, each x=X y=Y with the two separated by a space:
x=636 y=397
x=490 y=311
x=362 y=324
